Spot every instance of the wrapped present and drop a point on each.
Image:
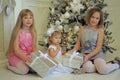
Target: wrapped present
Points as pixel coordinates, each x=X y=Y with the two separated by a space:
x=41 y=63
x=73 y=60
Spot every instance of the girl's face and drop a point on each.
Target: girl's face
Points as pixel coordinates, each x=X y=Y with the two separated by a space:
x=94 y=19
x=27 y=21
x=55 y=39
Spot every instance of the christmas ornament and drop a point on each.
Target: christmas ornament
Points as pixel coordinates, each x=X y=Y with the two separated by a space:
x=67 y=15
x=52 y=11
x=76 y=28
x=60 y=27
x=57 y=22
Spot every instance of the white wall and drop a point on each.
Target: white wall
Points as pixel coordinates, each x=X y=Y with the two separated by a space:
x=6 y=25
x=114 y=16
x=17 y=8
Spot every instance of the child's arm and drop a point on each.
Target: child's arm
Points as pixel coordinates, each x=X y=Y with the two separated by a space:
x=18 y=52
x=53 y=52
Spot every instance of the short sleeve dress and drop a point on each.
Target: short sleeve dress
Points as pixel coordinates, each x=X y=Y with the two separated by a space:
x=25 y=45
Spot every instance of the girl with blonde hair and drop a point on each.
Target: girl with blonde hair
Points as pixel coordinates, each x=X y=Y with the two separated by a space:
x=22 y=43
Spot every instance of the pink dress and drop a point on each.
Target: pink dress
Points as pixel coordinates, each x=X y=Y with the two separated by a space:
x=25 y=45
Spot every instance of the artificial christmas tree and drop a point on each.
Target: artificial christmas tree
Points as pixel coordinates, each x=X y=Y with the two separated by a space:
x=68 y=16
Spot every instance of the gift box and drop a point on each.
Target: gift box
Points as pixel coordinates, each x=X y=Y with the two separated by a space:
x=73 y=60
x=41 y=63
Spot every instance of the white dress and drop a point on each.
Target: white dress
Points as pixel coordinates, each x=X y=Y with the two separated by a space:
x=58 y=69
x=58 y=57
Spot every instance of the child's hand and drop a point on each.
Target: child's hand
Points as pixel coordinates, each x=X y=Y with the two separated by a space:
x=58 y=47
x=27 y=58
x=86 y=58
x=72 y=50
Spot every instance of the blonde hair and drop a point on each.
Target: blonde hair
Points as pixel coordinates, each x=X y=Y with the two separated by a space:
x=56 y=33
x=18 y=26
x=91 y=12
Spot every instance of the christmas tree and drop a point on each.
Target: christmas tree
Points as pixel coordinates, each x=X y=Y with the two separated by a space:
x=68 y=16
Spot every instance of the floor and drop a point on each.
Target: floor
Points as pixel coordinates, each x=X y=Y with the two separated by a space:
x=5 y=74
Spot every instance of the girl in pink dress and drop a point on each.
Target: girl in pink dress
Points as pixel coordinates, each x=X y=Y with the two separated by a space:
x=22 y=43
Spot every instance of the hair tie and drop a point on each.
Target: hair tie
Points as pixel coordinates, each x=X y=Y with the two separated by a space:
x=50 y=31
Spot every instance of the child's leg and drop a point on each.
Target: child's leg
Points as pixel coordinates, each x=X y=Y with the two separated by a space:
x=20 y=68
x=104 y=68
x=89 y=67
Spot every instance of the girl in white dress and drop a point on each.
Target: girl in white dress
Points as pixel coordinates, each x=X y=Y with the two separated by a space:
x=54 y=49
